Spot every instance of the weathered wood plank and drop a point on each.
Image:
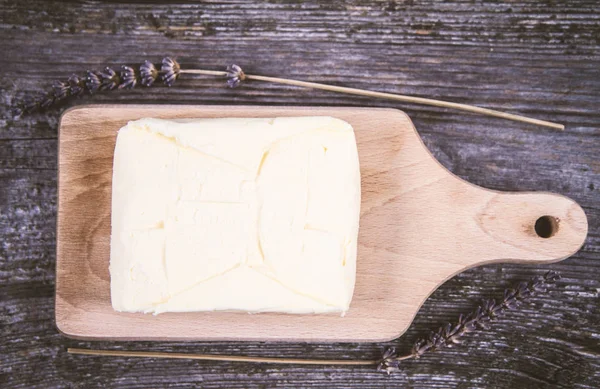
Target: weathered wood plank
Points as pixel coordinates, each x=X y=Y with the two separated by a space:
x=540 y=58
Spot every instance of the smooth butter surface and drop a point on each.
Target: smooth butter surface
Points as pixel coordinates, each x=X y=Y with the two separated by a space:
x=235 y=214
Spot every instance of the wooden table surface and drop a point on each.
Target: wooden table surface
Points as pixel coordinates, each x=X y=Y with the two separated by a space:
x=538 y=58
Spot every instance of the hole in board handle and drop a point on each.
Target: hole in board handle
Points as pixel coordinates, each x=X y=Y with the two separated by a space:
x=546 y=226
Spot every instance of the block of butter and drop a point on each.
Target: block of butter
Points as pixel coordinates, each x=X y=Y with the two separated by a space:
x=255 y=215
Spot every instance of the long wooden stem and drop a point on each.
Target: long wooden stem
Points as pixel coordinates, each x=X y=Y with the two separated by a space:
x=388 y=96
x=228 y=358
x=204 y=72
x=402 y=358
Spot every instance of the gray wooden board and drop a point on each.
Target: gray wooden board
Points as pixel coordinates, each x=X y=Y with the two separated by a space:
x=536 y=58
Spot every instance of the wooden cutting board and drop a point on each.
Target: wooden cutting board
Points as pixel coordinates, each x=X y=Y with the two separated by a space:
x=420 y=225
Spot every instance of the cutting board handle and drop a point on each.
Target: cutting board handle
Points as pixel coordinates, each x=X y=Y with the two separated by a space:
x=469 y=225
x=529 y=227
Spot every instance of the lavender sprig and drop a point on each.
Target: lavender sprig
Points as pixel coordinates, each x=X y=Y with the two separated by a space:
x=93 y=81
x=450 y=334
x=170 y=71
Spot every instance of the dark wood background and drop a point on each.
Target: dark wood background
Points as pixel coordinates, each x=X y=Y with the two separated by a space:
x=538 y=58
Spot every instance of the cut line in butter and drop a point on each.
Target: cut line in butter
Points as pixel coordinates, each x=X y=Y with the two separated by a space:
x=254 y=215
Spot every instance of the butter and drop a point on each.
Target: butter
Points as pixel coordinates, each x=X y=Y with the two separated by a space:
x=255 y=215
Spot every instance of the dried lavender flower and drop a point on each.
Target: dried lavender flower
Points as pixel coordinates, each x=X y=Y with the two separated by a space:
x=170 y=71
x=29 y=104
x=128 y=77
x=46 y=100
x=61 y=90
x=16 y=111
x=109 y=79
x=389 y=361
x=148 y=73
x=93 y=81
x=235 y=76
x=450 y=334
x=76 y=85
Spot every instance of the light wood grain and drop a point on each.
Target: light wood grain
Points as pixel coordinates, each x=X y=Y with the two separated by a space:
x=419 y=226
